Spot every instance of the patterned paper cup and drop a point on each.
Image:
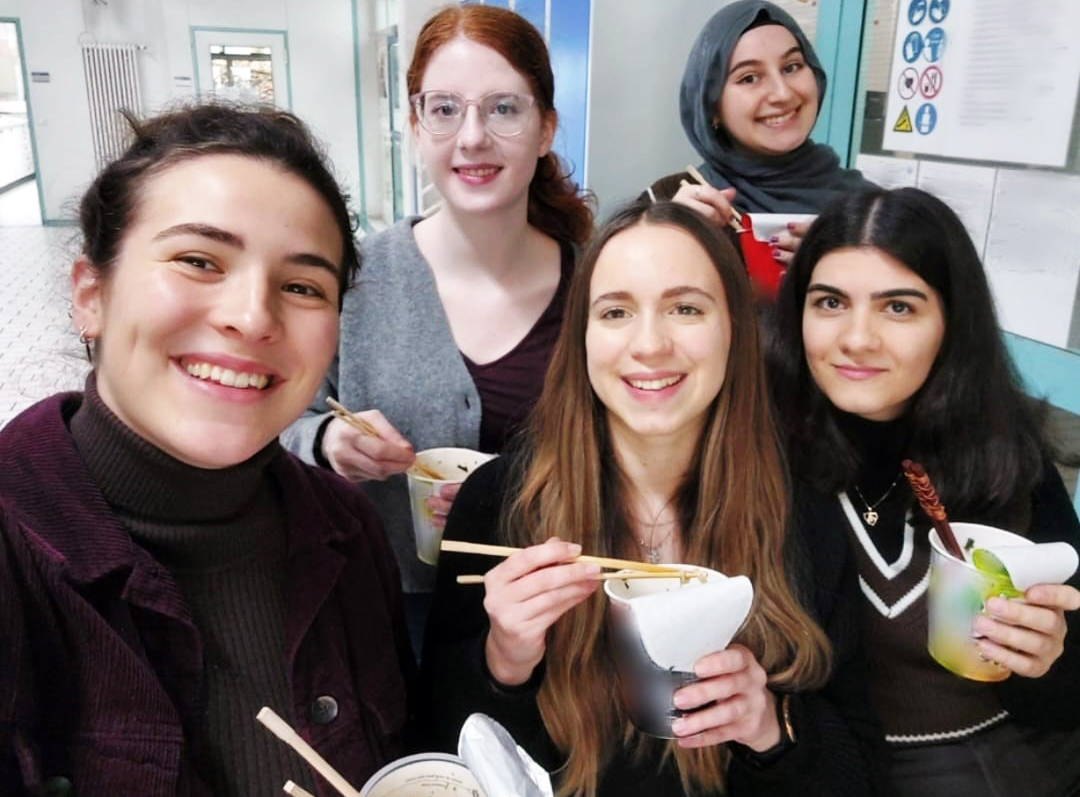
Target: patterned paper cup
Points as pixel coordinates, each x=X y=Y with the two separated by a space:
x=423 y=774
x=453 y=465
x=957 y=596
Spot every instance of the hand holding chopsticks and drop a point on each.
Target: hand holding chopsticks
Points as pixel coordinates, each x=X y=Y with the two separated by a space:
x=375 y=453
x=714 y=204
x=525 y=594
x=626 y=568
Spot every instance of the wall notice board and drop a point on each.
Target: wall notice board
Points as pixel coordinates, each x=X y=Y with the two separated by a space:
x=978 y=105
x=987 y=80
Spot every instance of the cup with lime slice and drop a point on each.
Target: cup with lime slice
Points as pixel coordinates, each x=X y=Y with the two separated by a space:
x=957 y=595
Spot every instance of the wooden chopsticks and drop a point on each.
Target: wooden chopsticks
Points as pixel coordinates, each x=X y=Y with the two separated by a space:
x=627 y=567
x=281 y=729
x=736 y=217
x=460 y=546
x=339 y=410
x=619 y=575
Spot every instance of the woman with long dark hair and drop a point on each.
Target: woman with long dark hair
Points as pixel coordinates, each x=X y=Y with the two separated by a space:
x=652 y=440
x=885 y=346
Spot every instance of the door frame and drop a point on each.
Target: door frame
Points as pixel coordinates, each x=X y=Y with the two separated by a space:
x=284 y=34
x=29 y=116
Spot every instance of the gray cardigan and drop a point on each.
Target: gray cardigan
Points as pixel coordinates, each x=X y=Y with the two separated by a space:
x=397 y=354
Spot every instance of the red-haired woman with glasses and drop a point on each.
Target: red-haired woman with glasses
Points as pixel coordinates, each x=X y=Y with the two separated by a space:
x=446 y=340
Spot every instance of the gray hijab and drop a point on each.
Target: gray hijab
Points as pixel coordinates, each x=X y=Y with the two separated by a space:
x=801 y=181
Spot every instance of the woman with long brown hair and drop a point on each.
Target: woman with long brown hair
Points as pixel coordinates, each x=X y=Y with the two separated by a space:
x=446 y=340
x=652 y=439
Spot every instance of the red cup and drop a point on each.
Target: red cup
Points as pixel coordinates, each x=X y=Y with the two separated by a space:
x=764 y=270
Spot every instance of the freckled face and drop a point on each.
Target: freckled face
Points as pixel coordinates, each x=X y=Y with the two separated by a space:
x=658 y=333
x=872 y=330
x=219 y=317
x=770 y=98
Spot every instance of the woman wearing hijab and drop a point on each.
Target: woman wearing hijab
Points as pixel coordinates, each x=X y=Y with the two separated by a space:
x=750 y=95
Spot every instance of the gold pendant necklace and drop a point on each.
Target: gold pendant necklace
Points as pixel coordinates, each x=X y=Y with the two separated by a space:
x=870 y=515
x=653 y=554
x=653 y=551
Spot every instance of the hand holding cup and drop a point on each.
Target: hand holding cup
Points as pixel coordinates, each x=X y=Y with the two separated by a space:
x=1027 y=637
x=730 y=702
x=440 y=502
x=786 y=242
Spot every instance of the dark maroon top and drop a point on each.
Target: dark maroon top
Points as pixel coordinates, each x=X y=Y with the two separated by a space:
x=102 y=666
x=510 y=385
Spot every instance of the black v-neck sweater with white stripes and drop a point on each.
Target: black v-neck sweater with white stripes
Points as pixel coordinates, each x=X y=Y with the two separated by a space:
x=917 y=700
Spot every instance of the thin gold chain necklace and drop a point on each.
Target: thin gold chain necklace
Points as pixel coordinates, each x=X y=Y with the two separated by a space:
x=871 y=515
x=653 y=550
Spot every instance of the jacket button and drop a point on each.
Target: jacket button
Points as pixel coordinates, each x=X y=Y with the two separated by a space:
x=56 y=787
x=324 y=710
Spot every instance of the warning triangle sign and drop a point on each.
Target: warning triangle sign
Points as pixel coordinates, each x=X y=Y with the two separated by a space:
x=903 y=124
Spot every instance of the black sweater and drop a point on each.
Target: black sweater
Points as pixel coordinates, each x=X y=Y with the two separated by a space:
x=838 y=742
x=919 y=702
x=221 y=535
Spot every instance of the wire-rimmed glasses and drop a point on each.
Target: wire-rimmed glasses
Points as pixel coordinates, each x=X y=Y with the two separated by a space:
x=442 y=113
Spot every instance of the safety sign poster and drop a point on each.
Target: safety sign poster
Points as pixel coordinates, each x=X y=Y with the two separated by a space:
x=984 y=80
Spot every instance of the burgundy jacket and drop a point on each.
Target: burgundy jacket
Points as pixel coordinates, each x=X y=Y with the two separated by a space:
x=101 y=666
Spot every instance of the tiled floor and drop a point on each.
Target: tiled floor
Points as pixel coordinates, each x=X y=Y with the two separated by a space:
x=19 y=205
x=39 y=351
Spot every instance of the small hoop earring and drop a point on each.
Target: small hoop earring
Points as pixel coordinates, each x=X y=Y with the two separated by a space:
x=85 y=340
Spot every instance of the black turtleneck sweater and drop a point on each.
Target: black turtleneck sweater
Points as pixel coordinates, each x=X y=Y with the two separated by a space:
x=220 y=535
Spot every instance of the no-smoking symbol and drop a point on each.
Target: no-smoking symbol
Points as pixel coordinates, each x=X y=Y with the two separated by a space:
x=930 y=82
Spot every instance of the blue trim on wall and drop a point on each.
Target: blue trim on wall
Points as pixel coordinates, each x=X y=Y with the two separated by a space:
x=1047 y=371
x=838 y=41
x=534 y=11
x=362 y=189
x=569 y=48
x=30 y=123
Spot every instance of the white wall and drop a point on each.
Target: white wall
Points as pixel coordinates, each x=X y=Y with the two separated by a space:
x=320 y=35
x=637 y=60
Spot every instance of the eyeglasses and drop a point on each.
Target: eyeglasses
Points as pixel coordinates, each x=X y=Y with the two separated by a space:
x=442 y=113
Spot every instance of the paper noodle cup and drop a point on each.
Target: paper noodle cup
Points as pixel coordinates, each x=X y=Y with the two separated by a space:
x=648 y=681
x=454 y=465
x=423 y=774
x=957 y=595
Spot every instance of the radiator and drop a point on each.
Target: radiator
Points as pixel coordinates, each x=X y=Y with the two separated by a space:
x=112 y=85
